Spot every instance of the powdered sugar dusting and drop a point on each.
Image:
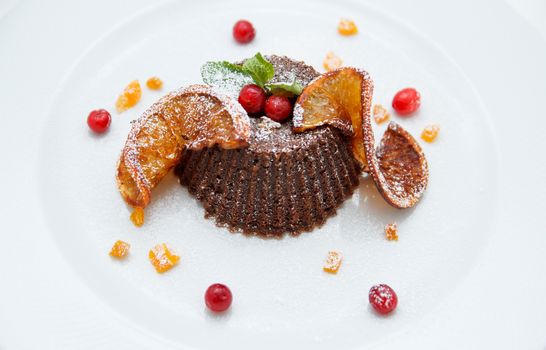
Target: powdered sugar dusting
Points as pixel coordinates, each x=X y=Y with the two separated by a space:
x=193 y=117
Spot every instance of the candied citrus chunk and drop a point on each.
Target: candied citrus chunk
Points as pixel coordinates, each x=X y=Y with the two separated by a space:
x=154 y=83
x=347 y=27
x=331 y=62
x=341 y=98
x=194 y=117
x=391 y=231
x=162 y=258
x=430 y=133
x=120 y=249
x=129 y=97
x=380 y=114
x=333 y=262
x=137 y=216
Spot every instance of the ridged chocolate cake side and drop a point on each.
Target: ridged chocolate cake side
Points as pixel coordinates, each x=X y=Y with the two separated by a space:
x=282 y=182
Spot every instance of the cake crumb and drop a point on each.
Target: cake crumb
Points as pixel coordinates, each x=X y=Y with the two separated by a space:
x=391 y=231
x=380 y=114
x=333 y=262
x=120 y=249
x=331 y=62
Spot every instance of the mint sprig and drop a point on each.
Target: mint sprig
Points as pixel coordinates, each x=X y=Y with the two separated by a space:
x=285 y=88
x=260 y=69
x=230 y=77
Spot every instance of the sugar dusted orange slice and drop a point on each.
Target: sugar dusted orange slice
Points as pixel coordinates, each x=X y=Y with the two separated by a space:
x=341 y=98
x=162 y=258
x=399 y=168
x=194 y=117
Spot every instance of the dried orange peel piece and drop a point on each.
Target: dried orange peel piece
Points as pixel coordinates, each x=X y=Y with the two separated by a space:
x=342 y=98
x=333 y=262
x=120 y=249
x=162 y=258
x=193 y=117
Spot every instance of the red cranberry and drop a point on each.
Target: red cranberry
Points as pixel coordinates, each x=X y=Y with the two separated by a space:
x=252 y=98
x=406 y=101
x=243 y=31
x=383 y=298
x=278 y=108
x=99 y=120
x=218 y=297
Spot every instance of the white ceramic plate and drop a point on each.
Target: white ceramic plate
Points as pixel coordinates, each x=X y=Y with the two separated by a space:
x=468 y=268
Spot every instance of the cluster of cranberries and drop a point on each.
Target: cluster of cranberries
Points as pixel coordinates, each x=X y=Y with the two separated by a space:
x=383 y=299
x=255 y=101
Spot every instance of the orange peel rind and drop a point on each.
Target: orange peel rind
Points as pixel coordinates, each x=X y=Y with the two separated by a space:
x=341 y=98
x=193 y=117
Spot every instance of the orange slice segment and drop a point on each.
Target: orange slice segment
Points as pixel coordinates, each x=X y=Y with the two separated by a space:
x=399 y=168
x=341 y=98
x=194 y=117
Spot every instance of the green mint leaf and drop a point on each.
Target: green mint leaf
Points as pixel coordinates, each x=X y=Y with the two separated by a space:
x=226 y=77
x=259 y=69
x=287 y=89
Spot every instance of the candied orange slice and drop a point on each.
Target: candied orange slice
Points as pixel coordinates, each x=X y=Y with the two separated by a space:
x=399 y=168
x=194 y=117
x=340 y=98
x=120 y=249
x=162 y=258
x=129 y=97
x=333 y=262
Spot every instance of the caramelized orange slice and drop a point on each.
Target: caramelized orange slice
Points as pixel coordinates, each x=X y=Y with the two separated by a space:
x=399 y=168
x=194 y=117
x=341 y=98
